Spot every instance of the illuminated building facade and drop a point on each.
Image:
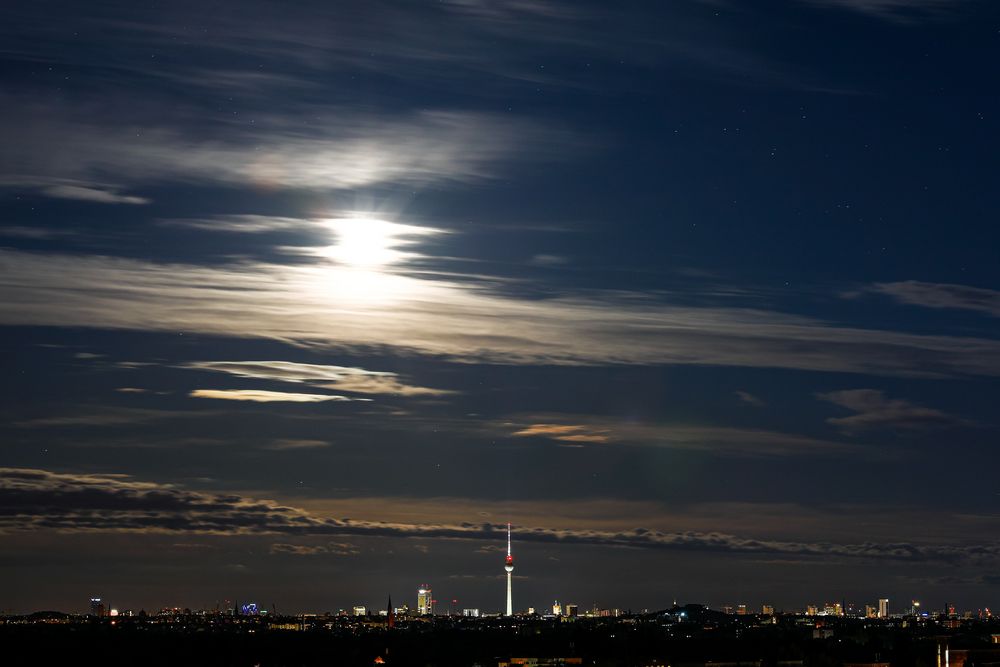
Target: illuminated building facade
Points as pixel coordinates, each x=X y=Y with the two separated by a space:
x=425 y=601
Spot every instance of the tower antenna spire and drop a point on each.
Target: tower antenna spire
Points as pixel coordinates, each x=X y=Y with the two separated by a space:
x=509 y=567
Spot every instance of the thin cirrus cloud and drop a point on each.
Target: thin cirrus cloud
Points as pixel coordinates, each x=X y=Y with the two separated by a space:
x=747 y=442
x=296 y=49
x=749 y=399
x=325 y=305
x=340 y=378
x=243 y=224
x=264 y=396
x=940 y=295
x=65 y=157
x=287 y=444
x=328 y=549
x=873 y=410
x=900 y=10
x=92 y=194
x=34 y=499
x=575 y=433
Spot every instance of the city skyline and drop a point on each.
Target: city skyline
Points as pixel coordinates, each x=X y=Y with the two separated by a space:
x=425 y=607
x=310 y=302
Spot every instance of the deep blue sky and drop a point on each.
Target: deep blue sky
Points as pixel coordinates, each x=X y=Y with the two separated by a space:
x=301 y=303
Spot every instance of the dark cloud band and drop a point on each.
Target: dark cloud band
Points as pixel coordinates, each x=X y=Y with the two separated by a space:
x=32 y=499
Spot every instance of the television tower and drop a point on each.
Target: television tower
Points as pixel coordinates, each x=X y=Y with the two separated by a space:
x=509 y=566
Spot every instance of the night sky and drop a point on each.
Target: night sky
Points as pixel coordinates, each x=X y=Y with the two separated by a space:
x=300 y=303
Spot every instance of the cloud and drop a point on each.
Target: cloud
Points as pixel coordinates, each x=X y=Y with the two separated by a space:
x=92 y=194
x=750 y=399
x=875 y=411
x=262 y=396
x=340 y=378
x=325 y=305
x=745 y=442
x=941 y=295
x=243 y=224
x=897 y=10
x=548 y=260
x=563 y=432
x=329 y=549
x=32 y=499
x=34 y=233
x=267 y=53
x=101 y=416
x=354 y=148
x=282 y=445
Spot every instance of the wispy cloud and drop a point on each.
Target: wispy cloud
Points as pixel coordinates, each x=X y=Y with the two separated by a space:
x=34 y=233
x=328 y=549
x=286 y=444
x=32 y=499
x=749 y=399
x=263 y=396
x=265 y=52
x=874 y=411
x=940 y=295
x=564 y=432
x=722 y=439
x=340 y=378
x=92 y=194
x=100 y=416
x=355 y=148
x=328 y=305
x=896 y=10
x=243 y=224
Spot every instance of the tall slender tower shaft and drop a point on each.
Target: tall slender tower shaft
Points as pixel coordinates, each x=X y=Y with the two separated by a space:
x=509 y=567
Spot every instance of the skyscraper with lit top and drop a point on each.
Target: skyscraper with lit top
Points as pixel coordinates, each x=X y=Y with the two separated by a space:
x=509 y=567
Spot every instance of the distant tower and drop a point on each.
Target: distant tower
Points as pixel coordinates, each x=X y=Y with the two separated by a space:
x=509 y=566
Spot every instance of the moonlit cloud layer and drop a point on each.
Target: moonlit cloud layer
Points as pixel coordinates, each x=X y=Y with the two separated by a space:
x=264 y=396
x=326 y=306
x=874 y=410
x=342 y=378
x=720 y=440
x=351 y=150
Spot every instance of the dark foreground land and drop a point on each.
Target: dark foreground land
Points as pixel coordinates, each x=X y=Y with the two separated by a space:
x=655 y=639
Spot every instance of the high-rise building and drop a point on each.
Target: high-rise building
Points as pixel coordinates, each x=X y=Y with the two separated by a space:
x=767 y=610
x=360 y=610
x=870 y=611
x=471 y=613
x=883 y=608
x=96 y=607
x=556 y=608
x=741 y=610
x=425 y=603
x=812 y=610
x=509 y=567
x=571 y=611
